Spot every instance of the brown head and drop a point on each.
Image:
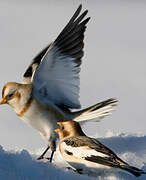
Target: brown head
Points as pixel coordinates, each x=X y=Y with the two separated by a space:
x=12 y=93
x=69 y=129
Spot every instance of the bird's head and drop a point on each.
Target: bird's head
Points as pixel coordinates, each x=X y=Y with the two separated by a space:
x=14 y=93
x=69 y=129
x=10 y=93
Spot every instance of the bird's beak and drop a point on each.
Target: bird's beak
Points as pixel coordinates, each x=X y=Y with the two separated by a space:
x=57 y=130
x=3 y=101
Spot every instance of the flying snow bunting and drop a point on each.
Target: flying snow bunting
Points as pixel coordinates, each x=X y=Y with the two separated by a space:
x=86 y=154
x=50 y=87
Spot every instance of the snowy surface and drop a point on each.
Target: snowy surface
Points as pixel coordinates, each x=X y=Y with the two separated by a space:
x=113 y=65
x=22 y=165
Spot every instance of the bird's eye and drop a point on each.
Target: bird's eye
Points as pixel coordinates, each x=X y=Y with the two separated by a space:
x=62 y=128
x=10 y=95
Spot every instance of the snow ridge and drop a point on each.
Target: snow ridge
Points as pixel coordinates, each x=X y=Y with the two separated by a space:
x=24 y=166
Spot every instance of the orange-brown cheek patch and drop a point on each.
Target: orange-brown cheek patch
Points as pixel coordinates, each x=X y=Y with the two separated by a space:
x=65 y=133
x=18 y=95
x=26 y=107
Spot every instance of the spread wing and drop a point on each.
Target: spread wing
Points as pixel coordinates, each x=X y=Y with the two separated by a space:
x=56 y=79
x=91 y=150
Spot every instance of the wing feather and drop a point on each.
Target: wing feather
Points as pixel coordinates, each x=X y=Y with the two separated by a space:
x=27 y=77
x=92 y=150
x=56 y=80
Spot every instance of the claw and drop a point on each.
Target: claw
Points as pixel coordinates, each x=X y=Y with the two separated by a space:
x=48 y=158
x=42 y=155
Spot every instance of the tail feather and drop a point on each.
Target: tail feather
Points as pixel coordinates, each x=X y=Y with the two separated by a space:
x=135 y=171
x=98 y=110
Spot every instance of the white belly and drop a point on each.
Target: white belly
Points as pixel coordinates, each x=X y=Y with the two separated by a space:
x=41 y=119
x=87 y=167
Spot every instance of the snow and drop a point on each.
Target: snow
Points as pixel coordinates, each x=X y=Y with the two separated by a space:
x=22 y=165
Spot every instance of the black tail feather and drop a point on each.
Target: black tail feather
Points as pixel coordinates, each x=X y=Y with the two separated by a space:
x=135 y=171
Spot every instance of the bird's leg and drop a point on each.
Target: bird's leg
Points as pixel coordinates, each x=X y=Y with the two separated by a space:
x=53 y=149
x=42 y=155
x=52 y=153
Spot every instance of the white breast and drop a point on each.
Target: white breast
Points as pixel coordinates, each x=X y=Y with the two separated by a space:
x=41 y=119
x=77 y=160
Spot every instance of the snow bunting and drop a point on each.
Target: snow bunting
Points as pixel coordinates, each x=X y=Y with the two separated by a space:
x=86 y=154
x=50 y=87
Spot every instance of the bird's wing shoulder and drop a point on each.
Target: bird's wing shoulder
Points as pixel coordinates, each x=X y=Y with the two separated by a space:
x=56 y=80
x=28 y=75
x=92 y=150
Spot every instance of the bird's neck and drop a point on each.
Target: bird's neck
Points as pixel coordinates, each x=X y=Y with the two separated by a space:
x=21 y=105
x=25 y=107
x=66 y=135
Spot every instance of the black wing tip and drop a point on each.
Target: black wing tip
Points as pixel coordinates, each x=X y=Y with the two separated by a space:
x=28 y=72
x=113 y=100
x=37 y=60
x=73 y=32
x=86 y=20
x=135 y=171
x=79 y=8
x=86 y=11
x=79 y=18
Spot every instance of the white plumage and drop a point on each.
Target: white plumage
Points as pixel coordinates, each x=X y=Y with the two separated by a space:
x=57 y=80
x=82 y=151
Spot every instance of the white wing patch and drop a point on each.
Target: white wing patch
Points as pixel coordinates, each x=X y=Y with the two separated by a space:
x=82 y=151
x=57 y=80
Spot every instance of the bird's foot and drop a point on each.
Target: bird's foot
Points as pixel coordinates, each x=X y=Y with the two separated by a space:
x=69 y=168
x=40 y=157
x=79 y=171
x=48 y=158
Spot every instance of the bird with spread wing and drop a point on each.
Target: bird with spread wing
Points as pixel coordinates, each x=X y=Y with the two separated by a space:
x=50 y=87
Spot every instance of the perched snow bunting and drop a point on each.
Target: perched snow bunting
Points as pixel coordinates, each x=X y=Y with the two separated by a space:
x=88 y=155
x=50 y=88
